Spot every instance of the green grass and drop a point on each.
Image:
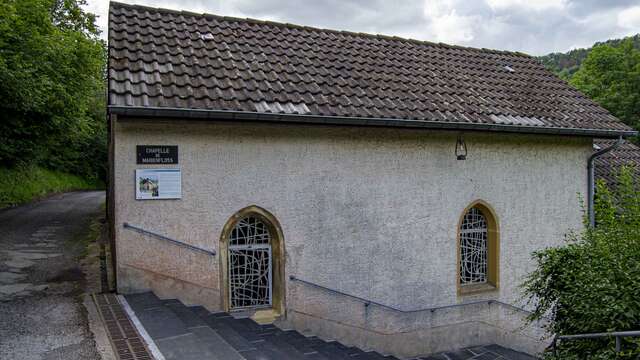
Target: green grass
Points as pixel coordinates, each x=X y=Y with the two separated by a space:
x=26 y=183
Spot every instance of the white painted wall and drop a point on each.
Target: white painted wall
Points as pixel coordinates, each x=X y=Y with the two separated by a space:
x=370 y=211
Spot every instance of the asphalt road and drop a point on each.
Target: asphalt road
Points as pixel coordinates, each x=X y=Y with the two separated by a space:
x=42 y=279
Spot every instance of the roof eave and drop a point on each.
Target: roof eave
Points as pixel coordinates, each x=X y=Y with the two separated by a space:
x=167 y=112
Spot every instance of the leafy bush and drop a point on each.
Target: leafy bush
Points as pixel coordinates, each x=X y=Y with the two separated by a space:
x=52 y=87
x=610 y=75
x=592 y=284
x=25 y=183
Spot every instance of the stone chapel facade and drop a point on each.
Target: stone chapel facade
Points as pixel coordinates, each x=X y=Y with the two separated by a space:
x=381 y=191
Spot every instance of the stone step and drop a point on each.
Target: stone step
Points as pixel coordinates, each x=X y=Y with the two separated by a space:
x=185 y=347
x=170 y=334
x=273 y=351
x=240 y=328
x=188 y=317
x=296 y=340
x=160 y=322
x=142 y=301
x=228 y=333
x=221 y=349
x=332 y=351
x=216 y=347
x=372 y=355
x=486 y=352
x=190 y=333
x=300 y=350
x=199 y=310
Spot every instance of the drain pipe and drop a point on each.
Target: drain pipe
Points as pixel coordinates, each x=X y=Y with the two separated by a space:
x=591 y=179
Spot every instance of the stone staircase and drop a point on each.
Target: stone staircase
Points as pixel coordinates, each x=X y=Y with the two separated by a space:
x=187 y=333
x=193 y=333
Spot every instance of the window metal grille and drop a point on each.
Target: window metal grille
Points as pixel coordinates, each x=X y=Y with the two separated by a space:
x=250 y=264
x=473 y=248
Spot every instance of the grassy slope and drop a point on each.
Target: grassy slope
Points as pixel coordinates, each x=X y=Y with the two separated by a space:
x=23 y=184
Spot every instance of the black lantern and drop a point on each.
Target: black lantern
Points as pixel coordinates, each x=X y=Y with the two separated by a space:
x=461 y=149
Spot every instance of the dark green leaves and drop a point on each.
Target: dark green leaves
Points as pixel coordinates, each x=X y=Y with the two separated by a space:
x=592 y=284
x=611 y=76
x=52 y=68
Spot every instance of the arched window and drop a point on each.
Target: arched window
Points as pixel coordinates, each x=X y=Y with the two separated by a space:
x=478 y=249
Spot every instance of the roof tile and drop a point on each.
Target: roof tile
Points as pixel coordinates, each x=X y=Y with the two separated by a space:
x=608 y=165
x=164 y=58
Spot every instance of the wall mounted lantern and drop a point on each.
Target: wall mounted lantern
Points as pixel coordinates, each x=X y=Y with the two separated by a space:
x=461 y=149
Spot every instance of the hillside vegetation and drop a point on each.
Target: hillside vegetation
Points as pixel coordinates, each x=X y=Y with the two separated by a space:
x=24 y=183
x=608 y=73
x=566 y=64
x=52 y=94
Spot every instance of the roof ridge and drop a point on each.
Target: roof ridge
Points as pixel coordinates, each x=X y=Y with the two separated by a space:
x=176 y=59
x=319 y=29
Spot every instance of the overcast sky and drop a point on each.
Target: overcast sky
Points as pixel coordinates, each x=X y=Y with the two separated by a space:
x=536 y=27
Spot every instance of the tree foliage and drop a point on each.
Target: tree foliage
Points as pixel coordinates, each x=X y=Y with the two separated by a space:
x=566 y=64
x=609 y=73
x=52 y=66
x=611 y=76
x=592 y=284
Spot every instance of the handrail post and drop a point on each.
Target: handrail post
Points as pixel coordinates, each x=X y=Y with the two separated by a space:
x=554 y=344
x=618 y=344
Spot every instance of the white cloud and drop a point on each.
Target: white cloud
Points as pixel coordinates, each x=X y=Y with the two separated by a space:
x=533 y=26
x=630 y=18
x=445 y=24
x=101 y=9
x=537 y=5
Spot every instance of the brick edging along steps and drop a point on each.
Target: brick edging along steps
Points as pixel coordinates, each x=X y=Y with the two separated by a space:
x=125 y=340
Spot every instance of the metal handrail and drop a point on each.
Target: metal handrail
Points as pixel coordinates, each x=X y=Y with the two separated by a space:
x=432 y=309
x=162 y=237
x=618 y=335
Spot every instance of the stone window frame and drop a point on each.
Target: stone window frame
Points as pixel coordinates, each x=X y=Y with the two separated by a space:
x=277 y=253
x=493 y=251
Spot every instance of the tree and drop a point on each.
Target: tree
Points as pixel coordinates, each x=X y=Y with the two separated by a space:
x=611 y=76
x=566 y=64
x=52 y=66
x=592 y=284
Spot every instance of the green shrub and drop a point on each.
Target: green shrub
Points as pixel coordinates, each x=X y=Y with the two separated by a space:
x=25 y=183
x=52 y=87
x=592 y=284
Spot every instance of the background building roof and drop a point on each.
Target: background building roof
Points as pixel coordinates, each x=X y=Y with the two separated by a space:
x=608 y=165
x=164 y=62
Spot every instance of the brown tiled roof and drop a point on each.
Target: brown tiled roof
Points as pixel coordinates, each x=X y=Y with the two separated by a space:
x=165 y=62
x=608 y=165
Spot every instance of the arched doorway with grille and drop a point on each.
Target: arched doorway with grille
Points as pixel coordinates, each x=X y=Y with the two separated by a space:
x=252 y=261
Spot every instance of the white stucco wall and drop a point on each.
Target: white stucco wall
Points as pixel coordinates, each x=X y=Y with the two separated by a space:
x=369 y=211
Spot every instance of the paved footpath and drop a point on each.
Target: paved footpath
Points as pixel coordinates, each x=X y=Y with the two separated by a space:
x=42 y=281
